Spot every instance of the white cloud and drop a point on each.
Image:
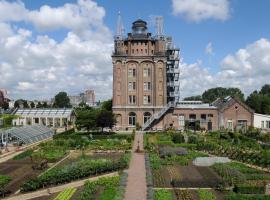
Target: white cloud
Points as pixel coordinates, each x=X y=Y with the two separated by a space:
x=199 y=10
x=209 y=49
x=34 y=65
x=247 y=69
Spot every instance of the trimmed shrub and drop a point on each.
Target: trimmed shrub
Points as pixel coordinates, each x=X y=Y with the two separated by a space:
x=249 y=189
x=178 y=138
x=23 y=155
x=193 y=139
x=247 y=197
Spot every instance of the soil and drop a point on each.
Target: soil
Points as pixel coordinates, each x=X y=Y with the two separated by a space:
x=191 y=176
x=192 y=194
x=77 y=193
x=20 y=171
x=49 y=197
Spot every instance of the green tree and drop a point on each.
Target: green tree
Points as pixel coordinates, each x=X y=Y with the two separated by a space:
x=25 y=104
x=45 y=105
x=82 y=104
x=193 y=98
x=39 y=105
x=107 y=105
x=32 y=105
x=86 y=118
x=254 y=101
x=265 y=90
x=219 y=92
x=61 y=100
x=105 y=118
x=260 y=101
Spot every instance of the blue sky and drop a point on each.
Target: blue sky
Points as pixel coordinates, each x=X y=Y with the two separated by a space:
x=226 y=27
x=247 y=23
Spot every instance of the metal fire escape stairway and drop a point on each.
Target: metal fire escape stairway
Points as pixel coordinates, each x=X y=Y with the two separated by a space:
x=172 y=72
x=157 y=116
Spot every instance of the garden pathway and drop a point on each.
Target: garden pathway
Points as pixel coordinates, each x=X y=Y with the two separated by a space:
x=136 y=183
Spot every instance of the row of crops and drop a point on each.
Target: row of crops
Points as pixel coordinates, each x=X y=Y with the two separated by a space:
x=74 y=171
x=176 y=194
x=107 y=188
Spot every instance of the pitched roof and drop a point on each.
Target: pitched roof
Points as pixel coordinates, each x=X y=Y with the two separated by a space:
x=224 y=103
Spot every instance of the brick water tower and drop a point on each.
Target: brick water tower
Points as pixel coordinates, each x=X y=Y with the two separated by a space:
x=145 y=76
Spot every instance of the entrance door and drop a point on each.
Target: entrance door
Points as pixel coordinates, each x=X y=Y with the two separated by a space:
x=209 y=126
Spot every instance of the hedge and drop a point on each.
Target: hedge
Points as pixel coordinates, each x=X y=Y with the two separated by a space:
x=74 y=171
x=249 y=189
x=247 y=197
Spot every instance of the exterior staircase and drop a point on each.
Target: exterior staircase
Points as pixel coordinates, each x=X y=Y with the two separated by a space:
x=157 y=116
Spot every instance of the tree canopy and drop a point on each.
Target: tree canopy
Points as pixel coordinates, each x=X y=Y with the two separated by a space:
x=105 y=118
x=86 y=118
x=219 y=92
x=193 y=98
x=61 y=100
x=107 y=105
x=93 y=118
x=260 y=101
x=212 y=94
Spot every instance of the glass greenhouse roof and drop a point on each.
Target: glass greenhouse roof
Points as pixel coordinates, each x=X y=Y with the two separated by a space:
x=50 y=112
x=29 y=134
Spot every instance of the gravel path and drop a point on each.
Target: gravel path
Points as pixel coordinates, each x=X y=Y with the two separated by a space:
x=136 y=183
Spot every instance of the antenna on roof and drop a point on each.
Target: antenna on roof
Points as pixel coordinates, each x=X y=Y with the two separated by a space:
x=159 y=26
x=119 y=28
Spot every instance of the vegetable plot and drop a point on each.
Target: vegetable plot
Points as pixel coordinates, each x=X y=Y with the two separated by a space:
x=66 y=194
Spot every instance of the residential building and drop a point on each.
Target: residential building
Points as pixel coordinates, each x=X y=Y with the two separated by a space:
x=3 y=97
x=262 y=121
x=233 y=114
x=88 y=97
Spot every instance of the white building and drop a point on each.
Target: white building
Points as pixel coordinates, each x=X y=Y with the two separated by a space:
x=51 y=117
x=262 y=121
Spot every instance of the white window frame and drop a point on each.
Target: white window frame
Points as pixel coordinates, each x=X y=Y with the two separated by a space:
x=181 y=119
x=147 y=86
x=229 y=124
x=131 y=72
x=146 y=72
x=262 y=124
x=132 y=99
x=146 y=99
x=131 y=86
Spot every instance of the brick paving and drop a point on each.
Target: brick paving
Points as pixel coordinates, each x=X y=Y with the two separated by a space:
x=136 y=183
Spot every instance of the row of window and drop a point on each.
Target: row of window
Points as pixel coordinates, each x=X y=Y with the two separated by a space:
x=146 y=99
x=132 y=72
x=132 y=86
x=132 y=118
x=265 y=124
x=192 y=117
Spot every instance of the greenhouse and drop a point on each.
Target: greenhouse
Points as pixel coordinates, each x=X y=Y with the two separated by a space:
x=25 y=134
x=52 y=117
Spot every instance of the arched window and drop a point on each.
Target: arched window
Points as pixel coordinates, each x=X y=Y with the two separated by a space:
x=146 y=117
x=132 y=119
